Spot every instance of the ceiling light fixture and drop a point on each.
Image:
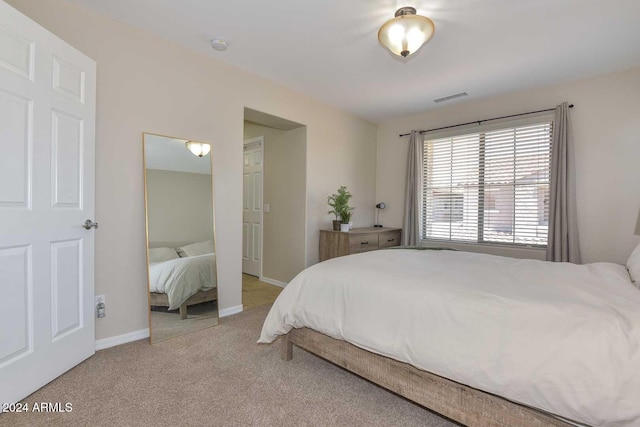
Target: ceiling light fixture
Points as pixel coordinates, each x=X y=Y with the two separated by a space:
x=404 y=34
x=198 y=148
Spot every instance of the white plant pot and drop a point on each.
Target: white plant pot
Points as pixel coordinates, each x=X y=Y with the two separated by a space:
x=344 y=227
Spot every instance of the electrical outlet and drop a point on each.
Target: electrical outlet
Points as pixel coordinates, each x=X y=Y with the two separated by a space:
x=100 y=304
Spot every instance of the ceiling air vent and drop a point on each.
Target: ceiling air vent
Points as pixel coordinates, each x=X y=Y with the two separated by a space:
x=450 y=97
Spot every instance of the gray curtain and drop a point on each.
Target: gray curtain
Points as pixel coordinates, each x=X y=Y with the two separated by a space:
x=411 y=220
x=563 y=244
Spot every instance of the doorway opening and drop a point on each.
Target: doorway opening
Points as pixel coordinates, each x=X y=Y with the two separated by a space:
x=274 y=205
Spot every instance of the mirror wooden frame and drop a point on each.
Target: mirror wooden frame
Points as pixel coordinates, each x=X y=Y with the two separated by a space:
x=158 y=299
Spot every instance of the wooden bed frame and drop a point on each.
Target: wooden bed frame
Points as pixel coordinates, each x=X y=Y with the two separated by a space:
x=456 y=401
x=162 y=300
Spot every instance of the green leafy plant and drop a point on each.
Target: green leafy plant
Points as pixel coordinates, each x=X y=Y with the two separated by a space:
x=339 y=204
x=345 y=216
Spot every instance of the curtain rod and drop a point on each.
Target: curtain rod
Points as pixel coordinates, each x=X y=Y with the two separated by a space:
x=485 y=120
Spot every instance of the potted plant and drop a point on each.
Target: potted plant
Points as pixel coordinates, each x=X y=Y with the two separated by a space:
x=339 y=203
x=345 y=217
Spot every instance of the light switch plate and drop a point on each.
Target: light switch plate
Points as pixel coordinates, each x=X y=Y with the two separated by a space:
x=266 y=207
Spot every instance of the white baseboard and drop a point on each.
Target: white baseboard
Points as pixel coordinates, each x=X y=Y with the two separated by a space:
x=230 y=310
x=273 y=282
x=122 y=339
x=144 y=333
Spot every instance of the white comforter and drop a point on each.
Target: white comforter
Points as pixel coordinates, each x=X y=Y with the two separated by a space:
x=560 y=337
x=181 y=278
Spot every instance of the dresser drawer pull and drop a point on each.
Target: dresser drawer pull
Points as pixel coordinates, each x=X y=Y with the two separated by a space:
x=390 y=240
x=364 y=243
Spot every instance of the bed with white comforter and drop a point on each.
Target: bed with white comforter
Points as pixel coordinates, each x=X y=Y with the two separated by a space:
x=181 y=278
x=559 y=337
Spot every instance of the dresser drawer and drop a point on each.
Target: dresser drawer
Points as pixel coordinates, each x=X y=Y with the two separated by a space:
x=363 y=243
x=390 y=238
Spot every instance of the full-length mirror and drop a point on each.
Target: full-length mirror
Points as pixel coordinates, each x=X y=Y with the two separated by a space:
x=181 y=255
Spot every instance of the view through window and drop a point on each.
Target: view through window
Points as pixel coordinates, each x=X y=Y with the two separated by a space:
x=488 y=187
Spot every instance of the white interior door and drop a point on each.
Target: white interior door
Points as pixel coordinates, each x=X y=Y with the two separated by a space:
x=47 y=120
x=252 y=207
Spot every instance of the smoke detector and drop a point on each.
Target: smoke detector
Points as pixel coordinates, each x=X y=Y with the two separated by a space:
x=219 y=44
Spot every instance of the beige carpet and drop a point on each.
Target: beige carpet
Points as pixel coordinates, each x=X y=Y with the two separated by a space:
x=217 y=377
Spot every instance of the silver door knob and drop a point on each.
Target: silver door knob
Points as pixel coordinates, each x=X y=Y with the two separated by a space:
x=88 y=224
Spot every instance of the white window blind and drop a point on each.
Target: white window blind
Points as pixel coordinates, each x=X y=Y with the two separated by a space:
x=488 y=187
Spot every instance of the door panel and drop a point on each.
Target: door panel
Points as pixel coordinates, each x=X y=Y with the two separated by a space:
x=257 y=235
x=15 y=267
x=16 y=53
x=245 y=240
x=47 y=126
x=68 y=80
x=66 y=153
x=255 y=188
x=66 y=287
x=247 y=190
x=15 y=163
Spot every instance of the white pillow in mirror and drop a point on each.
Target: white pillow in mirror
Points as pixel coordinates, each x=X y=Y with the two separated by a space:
x=633 y=265
x=162 y=254
x=194 y=249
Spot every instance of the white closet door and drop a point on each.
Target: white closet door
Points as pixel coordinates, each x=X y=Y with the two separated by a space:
x=47 y=121
x=252 y=206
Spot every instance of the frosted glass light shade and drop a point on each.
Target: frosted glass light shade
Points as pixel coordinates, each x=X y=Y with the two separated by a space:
x=198 y=148
x=404 y=34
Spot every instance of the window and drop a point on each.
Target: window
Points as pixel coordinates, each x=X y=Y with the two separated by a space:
x=490 y=186
x=448 y=207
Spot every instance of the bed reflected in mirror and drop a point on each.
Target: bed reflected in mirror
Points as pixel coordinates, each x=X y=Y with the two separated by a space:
x=181 y=255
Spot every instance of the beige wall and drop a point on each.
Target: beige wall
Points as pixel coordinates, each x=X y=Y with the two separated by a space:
x=606 y=123
x=180 y=206
x=148 y=84
x=284 y=190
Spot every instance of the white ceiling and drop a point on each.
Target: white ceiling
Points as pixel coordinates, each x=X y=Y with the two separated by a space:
x=328 y=49
x=170 y=154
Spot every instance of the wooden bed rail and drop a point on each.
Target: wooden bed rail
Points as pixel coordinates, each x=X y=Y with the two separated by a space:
x=453 y=400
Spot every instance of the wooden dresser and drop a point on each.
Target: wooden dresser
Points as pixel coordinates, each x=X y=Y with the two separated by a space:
x=336 y=243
